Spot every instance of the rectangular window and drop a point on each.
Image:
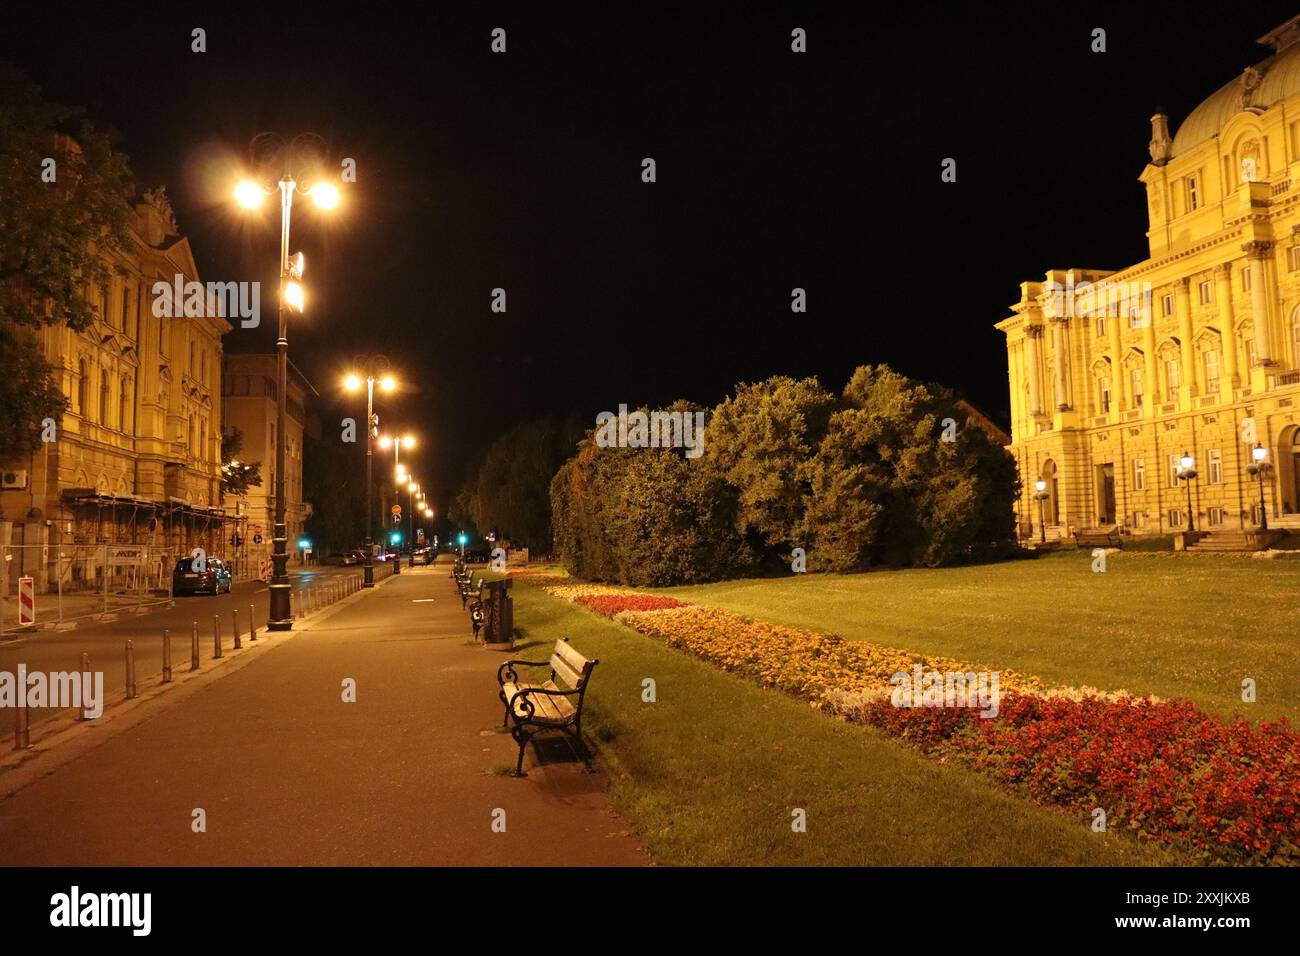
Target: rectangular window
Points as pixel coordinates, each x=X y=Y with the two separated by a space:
x=1175 y=467
x=1193 y=192
x=1139 y=519
x=1245 y=279
x=1212 y=370
x=1214 y=466
x=1176 y=519
x=1215 y=515
x=1137 y=378
x=1139 y=474
x=1293 y=259
x=1206 y=290
x=1167 y=304
x=1173 y=378
x=1101 y=326
x=1250 y=353
x=1104 y=387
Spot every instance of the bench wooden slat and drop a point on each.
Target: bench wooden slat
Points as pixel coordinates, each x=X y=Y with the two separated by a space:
x=572 y=679
x=570 y=655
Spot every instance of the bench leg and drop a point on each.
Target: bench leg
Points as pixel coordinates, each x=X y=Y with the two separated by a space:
x=522 y=736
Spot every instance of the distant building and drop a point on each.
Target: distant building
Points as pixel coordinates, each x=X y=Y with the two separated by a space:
x=1115 y=375
x=136 y=461
x=250 y=402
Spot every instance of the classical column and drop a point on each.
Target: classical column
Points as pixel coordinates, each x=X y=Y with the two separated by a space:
x=1191 y=385
x=1259 y=253
x=1118 y=386
x=1060 y=364
x=1227 y=335
x=1033 y=335
x=1152 y=398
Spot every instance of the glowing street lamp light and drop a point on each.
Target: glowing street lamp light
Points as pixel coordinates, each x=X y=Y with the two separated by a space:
x=1257 y=468
x=1040 y=493
x=1188 y=472
x=397 y=443
x=250 y=195
x=352 y=382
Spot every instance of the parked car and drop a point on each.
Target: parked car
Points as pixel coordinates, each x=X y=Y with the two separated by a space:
x=421 y=556
x=214 y=577
x=343 y=557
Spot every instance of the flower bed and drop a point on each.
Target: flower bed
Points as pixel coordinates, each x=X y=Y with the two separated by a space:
x=1164 y=770
x=800 y=662
x=611 y=604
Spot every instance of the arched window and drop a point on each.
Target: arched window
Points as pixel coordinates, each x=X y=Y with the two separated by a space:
x=103 y=397
x=123 y=405
x=83 y=387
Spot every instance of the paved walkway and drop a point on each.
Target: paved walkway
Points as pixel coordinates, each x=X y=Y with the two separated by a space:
x=288 y=774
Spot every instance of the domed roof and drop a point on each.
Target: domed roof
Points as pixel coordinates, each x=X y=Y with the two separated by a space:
x=1262 y=86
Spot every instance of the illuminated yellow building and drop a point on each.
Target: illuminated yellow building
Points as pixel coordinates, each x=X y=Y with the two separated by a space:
x=1116 y=375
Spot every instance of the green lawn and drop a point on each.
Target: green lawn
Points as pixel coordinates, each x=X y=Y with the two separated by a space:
x=710 y=773
x=1190 y=626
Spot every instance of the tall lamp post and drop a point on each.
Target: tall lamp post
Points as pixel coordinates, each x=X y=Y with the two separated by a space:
x=397 y=442
x=250 y=195
x=352 y=383
x=1041 y=495
x=1256 y=469
x=1187 y=472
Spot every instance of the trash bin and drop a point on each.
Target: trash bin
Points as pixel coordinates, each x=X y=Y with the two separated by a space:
x=500 y=626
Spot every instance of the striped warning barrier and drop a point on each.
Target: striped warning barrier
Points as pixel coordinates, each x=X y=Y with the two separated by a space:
x=26 y=601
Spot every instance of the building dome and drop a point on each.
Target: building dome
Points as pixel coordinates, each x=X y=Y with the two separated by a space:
x=1259 y=87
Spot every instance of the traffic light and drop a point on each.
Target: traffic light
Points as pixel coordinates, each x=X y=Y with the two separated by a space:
x=395 y=537
x=463 y=539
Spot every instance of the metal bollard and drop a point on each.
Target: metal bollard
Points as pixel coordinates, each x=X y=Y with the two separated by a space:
x=167 y=656
x=22 y=729
x=234 y=622
x=252 y=624
x=194 y=647
x=216 y=637
x=85 y=675
x=130 y=670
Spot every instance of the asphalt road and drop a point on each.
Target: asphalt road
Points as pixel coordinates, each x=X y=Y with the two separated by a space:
x=288 y=773
x=51 y=651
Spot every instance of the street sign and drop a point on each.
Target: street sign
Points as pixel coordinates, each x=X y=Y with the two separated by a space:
x=257 y=539
x=26 y=601
x=397 y=511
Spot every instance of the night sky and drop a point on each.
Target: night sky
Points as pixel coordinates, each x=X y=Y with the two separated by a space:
x=522 y=171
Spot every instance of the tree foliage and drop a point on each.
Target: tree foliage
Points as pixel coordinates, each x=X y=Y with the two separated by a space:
x=28 y=394
x=237 y=476
x=53 y=234
x=888 y=473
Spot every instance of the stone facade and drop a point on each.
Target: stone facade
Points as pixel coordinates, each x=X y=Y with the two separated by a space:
x=1115 y=375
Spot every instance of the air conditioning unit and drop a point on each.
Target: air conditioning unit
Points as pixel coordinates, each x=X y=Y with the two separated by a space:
x=13 y=479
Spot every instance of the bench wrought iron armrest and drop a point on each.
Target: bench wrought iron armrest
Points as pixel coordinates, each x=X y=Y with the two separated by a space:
x=529 y=709
x=507 y=670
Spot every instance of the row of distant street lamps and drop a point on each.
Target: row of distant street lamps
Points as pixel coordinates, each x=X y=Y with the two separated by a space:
x=1257 y=468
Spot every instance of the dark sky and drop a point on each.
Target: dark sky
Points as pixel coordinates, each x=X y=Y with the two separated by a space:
x=775 y=170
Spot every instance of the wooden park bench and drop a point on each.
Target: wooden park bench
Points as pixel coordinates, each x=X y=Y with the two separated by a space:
x=1098 y=538
x=552 y=705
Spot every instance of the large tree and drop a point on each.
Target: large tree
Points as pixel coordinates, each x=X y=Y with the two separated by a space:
x=64 y=202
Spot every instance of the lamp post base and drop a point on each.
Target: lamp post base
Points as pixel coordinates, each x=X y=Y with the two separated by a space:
x=281 y=614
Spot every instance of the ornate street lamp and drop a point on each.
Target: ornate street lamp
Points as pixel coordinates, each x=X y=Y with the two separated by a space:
x=374 y=367
x=1187 y=473
x=1040 y=493
x=1256 y=469
x=302 y=153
